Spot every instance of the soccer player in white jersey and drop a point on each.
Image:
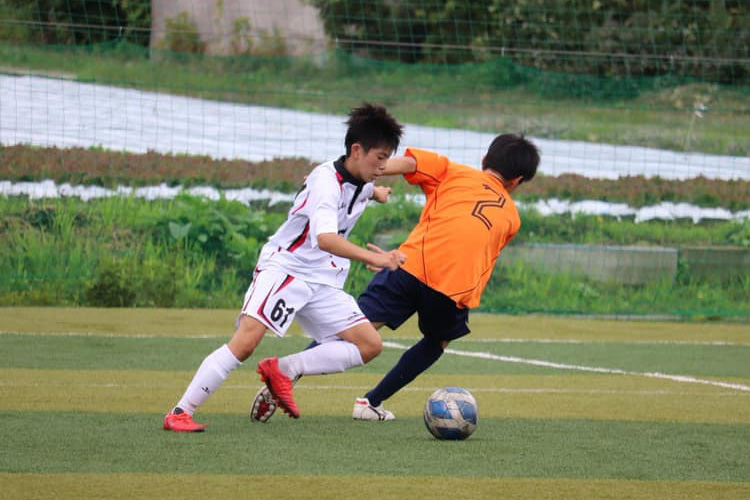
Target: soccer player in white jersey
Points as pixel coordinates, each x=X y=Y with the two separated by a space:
x=301 y=272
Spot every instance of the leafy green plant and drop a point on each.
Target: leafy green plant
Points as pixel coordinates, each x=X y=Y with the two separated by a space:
x=225 y=230
x=241 y=40
x=739 y=233
x=154 y=276
x=111 y=286
x=271 y=44
x=131 y=252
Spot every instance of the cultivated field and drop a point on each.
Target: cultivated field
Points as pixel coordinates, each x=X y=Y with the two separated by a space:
x=569 y=408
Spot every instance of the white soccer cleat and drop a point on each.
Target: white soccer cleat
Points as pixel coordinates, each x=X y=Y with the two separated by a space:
x=363 y=410
x=263 y=405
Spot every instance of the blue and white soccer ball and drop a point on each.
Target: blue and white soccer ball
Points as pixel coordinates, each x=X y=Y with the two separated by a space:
x=451 y=413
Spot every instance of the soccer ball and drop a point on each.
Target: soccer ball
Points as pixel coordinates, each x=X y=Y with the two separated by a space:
x=451 y=413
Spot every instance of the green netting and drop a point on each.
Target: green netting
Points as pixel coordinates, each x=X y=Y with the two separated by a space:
x=705 y=39
x=666 y=74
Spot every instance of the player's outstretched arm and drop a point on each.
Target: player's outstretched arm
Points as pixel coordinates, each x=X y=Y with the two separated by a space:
x=400 y=165
x=374 y=258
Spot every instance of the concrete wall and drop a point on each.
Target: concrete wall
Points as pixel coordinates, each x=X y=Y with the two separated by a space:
x=630 y=265
x=715 y=263
x=298 y=22
x=613 y=264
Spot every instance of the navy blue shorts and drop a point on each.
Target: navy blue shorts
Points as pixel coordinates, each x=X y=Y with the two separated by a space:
x=393 y=296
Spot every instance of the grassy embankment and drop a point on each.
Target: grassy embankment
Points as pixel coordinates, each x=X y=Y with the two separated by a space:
x=191 y=253
x=476 y=97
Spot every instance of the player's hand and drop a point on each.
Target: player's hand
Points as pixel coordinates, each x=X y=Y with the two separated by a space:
x=391 y=260
x=381 y=193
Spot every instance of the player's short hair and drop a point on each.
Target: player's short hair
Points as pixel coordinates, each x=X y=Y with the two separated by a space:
x=512 y=156
x=372 y=126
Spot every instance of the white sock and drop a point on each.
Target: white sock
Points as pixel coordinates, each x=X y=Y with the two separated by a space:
x=335 y=356
x=210 y=375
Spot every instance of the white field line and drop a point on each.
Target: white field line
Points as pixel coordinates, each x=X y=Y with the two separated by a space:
x=549 y=364
x=592 y=369
x=508 y=340
x=334 y=387
x=602 y=341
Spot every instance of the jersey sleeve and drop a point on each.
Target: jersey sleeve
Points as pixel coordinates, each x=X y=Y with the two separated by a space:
x=431 y=169
x=322 y=205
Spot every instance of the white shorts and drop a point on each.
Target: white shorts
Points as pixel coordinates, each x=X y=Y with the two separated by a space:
x=275 y=298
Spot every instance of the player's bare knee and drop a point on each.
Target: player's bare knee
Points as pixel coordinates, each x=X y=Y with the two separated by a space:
x=366 y=338
x=246 y=338
x=372 y=348
x=370 y=345
x=370 y=352
x=241 y=351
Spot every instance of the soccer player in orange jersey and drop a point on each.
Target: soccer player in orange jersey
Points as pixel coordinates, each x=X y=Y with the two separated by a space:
x=468 y=218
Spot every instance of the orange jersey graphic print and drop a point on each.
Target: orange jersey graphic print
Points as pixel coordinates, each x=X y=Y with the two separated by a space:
x=468 y=218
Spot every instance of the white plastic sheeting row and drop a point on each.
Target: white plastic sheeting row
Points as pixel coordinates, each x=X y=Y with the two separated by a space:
x=54 y=112
x=663 y=211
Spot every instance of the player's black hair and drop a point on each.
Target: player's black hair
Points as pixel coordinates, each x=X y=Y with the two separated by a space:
x=372 y=126
x=512 y=156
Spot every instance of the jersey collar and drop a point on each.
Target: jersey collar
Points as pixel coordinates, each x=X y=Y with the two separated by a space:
x=495 y=180
x=345 y=174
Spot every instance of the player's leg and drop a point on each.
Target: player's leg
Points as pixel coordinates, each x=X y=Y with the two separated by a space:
x=263 y=407
x=414 y=361
x=354 y=347
x=439 y=320
x=346 y=337
x=261 y=301
x=417 y=359
x=276 y=308
x=212 y=372
x=389 y=301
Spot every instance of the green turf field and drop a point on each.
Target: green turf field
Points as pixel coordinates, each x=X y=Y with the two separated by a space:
x=569 y=408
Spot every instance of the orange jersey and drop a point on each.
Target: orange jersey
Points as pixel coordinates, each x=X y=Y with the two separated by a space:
x=468 y=218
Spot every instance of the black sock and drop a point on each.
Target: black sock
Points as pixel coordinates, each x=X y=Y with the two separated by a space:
x=413 y=362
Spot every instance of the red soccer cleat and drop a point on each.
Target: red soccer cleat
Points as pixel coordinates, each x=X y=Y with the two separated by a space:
x=279 y=384
x=181 y=422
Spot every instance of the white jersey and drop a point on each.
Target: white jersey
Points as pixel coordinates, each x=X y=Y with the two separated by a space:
x=330 y=201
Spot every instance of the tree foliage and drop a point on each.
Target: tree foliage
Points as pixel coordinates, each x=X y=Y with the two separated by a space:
x=75 y=22
x=707 y=39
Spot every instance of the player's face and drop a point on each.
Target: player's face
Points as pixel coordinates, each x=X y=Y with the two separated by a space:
x=370 y=165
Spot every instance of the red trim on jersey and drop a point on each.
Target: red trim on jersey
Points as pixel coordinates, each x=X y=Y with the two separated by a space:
x=341 y=180
x=303 y=204
x=248 y=300
x=262 y=315
x=300 y=239
x=356 y=321
x=287 y=280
